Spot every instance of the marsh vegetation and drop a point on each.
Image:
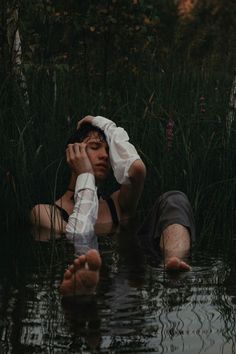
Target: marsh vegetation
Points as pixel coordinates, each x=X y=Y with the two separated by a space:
x=165 y=71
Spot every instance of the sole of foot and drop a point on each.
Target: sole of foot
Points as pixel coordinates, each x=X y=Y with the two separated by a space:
x=82 y=277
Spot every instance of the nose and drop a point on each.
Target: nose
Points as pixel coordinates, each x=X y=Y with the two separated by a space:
x=104 y=154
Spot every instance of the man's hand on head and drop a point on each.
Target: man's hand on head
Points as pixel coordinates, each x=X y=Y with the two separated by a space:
x=77 y=158
x=86 y=119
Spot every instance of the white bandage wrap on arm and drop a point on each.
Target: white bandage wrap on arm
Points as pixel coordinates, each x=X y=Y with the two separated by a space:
x=122 y=152
x=80 y=227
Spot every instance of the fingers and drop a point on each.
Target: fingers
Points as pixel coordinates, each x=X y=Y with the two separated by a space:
x=86 y=119
x=70 y=154
x=80 y=148
x=75 y=151
x=77 y=158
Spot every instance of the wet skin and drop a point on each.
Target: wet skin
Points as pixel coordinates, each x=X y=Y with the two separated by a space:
x=92 y=155
x=81 y=278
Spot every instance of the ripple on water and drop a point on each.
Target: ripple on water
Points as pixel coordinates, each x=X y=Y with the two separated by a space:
x=171 y=312
x=136 y=310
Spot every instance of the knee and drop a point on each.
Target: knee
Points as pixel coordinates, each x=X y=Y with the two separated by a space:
x=175 y=198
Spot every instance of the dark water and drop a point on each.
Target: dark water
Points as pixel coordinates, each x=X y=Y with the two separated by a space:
x=137 y=309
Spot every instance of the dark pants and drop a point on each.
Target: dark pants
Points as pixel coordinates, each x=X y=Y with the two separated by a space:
x=172 y=207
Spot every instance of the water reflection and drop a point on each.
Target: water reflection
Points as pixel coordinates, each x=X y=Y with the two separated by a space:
x=138 y=308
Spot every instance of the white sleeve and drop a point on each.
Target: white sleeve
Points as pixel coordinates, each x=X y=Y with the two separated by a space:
x=122 y=152
x=80 y=227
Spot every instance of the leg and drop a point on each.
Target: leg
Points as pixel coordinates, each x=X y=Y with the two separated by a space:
x=175 y=245
x=82 y=277
x=169 y=230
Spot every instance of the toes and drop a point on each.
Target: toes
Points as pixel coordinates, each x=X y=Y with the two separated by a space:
x=71 y=268
x=91 y=260
x=67 y=274
x=94 y=260
x=79 y=262
x=184 y=266
x=175 y=263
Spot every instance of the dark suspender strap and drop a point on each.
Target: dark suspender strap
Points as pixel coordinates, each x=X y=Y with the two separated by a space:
x=111 y=205
x=112 y=208
x=64 y=214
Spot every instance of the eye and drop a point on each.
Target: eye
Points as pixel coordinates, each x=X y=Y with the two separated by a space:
x=94 y=146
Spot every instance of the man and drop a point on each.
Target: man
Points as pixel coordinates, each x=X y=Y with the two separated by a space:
x=99 y=145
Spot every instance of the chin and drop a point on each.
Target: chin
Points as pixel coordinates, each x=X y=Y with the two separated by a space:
x=100 y=177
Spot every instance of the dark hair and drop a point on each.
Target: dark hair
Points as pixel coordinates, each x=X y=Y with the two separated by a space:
x=83 y=132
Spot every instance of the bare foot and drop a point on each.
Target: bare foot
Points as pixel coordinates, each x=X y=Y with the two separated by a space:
x=174 y=263
x=82 y=277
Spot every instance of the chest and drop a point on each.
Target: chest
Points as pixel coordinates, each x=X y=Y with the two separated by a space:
x=104 y=224
x=104 y=212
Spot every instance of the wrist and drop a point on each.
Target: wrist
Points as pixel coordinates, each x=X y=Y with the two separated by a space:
x=81 y=168
x=85 y=180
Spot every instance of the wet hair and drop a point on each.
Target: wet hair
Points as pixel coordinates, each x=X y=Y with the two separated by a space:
x=83 y=132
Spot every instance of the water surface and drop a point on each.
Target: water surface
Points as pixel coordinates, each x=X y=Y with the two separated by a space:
x=138 y=308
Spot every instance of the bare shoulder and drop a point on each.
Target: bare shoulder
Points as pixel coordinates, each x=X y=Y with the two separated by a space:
x=47 y=216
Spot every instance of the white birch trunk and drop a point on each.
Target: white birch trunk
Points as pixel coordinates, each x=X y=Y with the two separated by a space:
x=232 y=108
x=14 y=43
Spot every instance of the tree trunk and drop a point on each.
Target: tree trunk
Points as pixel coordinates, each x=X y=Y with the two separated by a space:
x=232 y=107
x=13 y=37
x=15 y=51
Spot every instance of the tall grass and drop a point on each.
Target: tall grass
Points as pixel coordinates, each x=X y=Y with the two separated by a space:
x=200 y=160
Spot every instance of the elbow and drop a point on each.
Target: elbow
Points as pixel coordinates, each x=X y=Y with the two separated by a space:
x=138 y=171
x=140 y=168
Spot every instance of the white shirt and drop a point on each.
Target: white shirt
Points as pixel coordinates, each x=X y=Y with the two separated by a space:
x=80 y=227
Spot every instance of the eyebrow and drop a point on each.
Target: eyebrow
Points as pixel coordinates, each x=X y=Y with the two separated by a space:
x=94 y=142
x=97 y=142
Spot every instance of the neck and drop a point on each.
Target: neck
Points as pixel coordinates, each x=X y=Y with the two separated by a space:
x=71 y=185
x=69 y=194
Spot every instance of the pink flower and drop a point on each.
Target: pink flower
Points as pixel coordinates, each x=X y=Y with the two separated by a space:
x=202 y=104
x=10 y=179
x=170 y=132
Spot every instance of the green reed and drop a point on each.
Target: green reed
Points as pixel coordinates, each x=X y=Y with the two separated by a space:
x=198 y=160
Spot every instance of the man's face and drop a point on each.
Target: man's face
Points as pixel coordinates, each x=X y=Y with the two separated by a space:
x=98 y=154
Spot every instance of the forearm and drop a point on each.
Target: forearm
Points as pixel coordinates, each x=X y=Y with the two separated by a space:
x=122 y=152
x=80 y=227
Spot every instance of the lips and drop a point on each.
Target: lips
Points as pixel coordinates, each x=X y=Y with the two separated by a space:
x=102 y=165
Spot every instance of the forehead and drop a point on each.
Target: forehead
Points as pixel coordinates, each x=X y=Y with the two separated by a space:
x=95 y=137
